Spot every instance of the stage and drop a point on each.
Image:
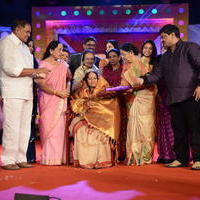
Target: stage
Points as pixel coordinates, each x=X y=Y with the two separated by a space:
x=149 y=182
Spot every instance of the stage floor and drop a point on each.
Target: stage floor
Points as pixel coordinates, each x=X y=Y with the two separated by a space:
x=150 y=182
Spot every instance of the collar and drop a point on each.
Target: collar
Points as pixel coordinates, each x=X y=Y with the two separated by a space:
x=15 y=39
x=178 y=43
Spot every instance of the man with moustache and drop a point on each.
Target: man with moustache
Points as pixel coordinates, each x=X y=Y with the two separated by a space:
x=88 y=44
x=16 y=78
x=180 y=68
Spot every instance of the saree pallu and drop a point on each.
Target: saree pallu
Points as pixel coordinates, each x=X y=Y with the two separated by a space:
x=141 y=121
x=114 y=79
x=52 y=116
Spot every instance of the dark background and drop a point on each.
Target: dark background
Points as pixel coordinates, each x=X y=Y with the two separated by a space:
x=11 y=9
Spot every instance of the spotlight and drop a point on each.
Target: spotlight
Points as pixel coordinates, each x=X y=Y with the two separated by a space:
x=63 y=13
x=89 y=12
x=38 y=49
x=101 y=12
x=38 y=25
x=128 y=11
x=115 y=12
x=38 y=37
x=181 y=10
x=181 y=22
x=37 y=13
x=50 y=13
x=141 y=11
x=154 y=11
x=76 y=12
x=182 y=35
x=168 y=10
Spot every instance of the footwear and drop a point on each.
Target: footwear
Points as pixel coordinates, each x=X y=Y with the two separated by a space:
x=164 y=161
x=10 y=167
x=24 y=165
x=196 y=165
x=174 y=164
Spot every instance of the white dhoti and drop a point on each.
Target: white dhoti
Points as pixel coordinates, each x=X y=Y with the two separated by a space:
x=16 y=130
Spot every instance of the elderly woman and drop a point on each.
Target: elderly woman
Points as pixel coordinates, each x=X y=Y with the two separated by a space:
x=96 y=125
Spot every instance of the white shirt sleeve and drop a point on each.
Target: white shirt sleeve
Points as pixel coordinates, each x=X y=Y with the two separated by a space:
x=9 y=59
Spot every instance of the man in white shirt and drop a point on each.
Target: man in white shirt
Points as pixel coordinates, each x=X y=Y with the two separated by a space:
x=16 y=80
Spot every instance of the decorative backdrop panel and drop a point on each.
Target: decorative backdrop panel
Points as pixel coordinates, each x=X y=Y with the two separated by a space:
x=126 y=23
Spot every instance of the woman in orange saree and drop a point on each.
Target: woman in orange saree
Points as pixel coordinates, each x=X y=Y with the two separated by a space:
x=52 y=106
x=96 y=125
x=141 y=123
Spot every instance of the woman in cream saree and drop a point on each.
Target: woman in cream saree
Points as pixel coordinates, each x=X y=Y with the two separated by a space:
x=96 y=125
x=141 y=124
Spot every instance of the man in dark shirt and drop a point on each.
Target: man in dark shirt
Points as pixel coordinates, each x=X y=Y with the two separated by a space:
x=180 y=69
x=88 y=44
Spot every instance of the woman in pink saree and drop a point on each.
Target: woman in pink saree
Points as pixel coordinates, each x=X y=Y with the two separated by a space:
x=52 y=106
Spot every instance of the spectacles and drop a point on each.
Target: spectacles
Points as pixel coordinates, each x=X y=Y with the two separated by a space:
x=91 y=45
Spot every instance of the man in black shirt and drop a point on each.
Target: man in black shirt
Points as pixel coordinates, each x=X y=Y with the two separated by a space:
x=180 y=69
x=88 y=44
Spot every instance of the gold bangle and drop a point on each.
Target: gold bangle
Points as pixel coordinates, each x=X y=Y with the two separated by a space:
x=54 y=92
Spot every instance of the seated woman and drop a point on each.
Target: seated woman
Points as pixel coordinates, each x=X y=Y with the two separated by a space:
x=141 y=124
x=96 y=125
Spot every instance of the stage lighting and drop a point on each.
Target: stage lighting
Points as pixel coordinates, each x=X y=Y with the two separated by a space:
x=181 y=22
x=182 y=35
x=115 y=12
x=76 y=12
x=37 y=13
x=168 y=10
x=38 y=49
x=38 y=25
x=50 y=13
x=154 y=11
x=141 y=11
x=63 y=13
x=38 y=37
x=101 y=12
x=89 y=12
x=181 y=10
x=128 y=11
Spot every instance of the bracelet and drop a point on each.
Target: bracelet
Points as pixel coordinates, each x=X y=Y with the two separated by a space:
x=54 y=92
x=35 y=75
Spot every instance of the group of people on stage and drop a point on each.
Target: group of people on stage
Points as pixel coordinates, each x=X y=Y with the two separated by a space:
x=107 y=122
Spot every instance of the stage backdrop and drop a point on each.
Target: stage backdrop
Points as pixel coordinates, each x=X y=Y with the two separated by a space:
x=125 y=23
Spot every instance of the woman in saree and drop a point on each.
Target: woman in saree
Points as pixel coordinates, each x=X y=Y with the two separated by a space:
x=165 y=133
x=141 y=120
x=52 y=105
x=110 y=44
x=112 y=72
x=96 y=125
